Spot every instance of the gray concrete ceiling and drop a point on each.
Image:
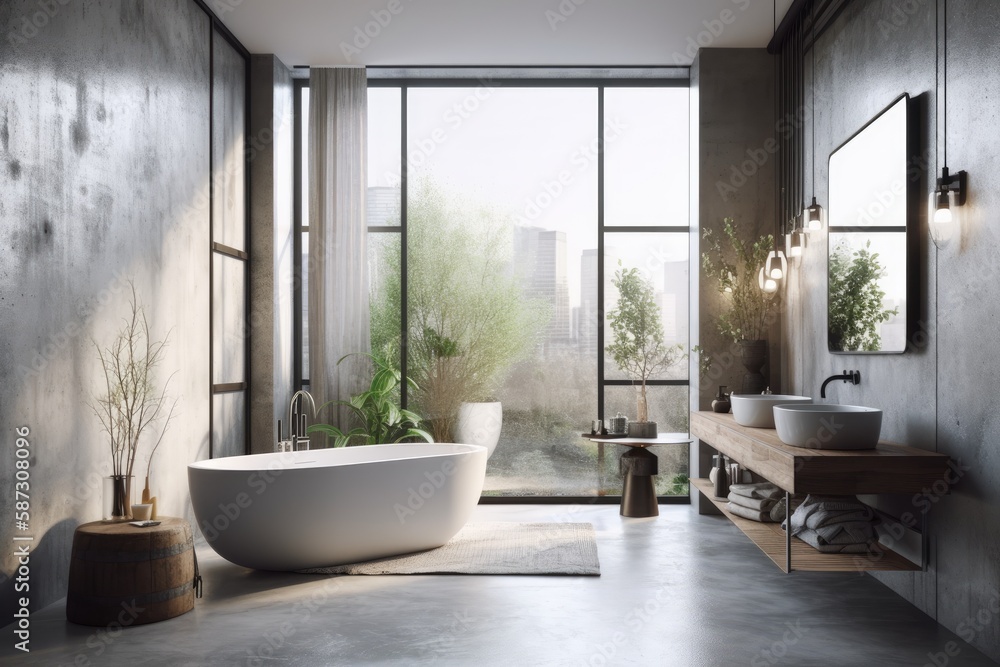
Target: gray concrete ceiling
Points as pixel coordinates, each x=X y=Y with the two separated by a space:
x=507 y=32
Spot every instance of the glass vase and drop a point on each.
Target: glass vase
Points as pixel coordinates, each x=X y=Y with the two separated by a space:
x=117 y=498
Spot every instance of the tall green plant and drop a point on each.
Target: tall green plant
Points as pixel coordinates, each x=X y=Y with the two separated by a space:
x=468 y=319
x=637 y=345
x=855 y=306
x=735 y=267
x=380 y=419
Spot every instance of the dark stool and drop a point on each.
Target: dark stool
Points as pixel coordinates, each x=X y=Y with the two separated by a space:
x=638 y=466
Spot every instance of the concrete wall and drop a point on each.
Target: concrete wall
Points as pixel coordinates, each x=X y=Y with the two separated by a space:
x=271 y=130
x=732 y=117
x=104 y=169
x=938 y=395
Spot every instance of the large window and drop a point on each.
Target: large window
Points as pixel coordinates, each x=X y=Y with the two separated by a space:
x=498 y=215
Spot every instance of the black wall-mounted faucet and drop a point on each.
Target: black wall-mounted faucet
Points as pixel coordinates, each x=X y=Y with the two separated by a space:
x=854 y=377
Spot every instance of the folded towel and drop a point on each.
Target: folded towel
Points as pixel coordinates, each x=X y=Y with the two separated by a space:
x=813 y=539
x=858 y=532
x=747 y=513
x=758 y=504
x=816 y=512
x=758 y=490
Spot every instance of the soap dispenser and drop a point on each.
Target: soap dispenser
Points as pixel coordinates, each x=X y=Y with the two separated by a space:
x=721 y=402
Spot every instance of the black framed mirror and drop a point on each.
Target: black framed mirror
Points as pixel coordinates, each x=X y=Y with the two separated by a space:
x=870 y=299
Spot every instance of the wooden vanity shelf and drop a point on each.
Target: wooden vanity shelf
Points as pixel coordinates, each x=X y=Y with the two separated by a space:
x=890 y=468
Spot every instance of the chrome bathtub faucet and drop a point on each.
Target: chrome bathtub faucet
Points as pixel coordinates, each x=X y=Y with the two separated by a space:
x=297 y=424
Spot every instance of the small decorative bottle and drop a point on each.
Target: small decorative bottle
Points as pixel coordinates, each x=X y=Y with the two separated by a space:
x=721 y=402
x=721 y=479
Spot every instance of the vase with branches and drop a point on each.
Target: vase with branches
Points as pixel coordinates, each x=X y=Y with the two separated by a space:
x=735 y=265
x=637 y=345
x=131 y=401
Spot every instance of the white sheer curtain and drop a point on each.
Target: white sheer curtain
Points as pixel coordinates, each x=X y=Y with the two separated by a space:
x=338 y=261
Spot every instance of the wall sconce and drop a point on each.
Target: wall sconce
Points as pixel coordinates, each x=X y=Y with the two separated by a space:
x=776 y=265
x=942 y=218
x=767 y=284
x=944 y=200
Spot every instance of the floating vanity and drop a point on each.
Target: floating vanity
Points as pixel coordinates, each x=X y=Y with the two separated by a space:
x=889 y=468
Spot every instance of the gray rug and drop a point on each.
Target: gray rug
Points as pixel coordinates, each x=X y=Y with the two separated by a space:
x=495 y=548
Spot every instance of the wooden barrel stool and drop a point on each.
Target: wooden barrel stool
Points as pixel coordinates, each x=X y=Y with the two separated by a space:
x=127 y=575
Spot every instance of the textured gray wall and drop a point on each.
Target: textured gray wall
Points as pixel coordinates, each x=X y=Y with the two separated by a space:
x=104 y=169
x=938 y=395
x=732 y=120
x=271 y=130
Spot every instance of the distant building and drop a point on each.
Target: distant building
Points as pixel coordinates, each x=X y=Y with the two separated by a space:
x=383 y=206
x=540 y=257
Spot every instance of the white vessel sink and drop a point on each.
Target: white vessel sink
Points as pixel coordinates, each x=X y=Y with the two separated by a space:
x=754 y=410
x=828 y=426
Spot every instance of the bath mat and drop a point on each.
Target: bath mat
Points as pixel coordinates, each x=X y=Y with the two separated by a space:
x=495 y=547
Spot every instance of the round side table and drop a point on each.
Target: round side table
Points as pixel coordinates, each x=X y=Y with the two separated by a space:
x=638 y=467
x=123 y=574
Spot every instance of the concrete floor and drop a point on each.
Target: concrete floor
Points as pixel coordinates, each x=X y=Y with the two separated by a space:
x=676 y=590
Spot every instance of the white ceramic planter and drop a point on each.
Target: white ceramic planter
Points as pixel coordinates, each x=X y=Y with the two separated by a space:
x=479 y=424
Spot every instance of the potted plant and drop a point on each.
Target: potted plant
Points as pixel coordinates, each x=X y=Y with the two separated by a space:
x=749 y=314
x=468 y=317
x=380 y=419
x=637 y=345
x=131 y=401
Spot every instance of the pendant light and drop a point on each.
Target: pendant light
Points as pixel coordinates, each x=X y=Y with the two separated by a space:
x=776 y=265
x=943 y=217
x=794 y=240
x=814 y=217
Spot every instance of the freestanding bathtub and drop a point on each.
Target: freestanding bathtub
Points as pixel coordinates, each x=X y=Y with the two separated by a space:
x=296 y=510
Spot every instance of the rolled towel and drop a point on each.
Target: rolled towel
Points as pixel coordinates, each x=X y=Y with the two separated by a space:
x=747 y=513
x=758 y=490
x=778 y=511
x=758 y=504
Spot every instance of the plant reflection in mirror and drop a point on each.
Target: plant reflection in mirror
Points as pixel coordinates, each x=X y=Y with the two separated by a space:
x=856 y=299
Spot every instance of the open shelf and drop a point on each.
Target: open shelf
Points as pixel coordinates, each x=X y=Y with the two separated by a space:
x=771 y=540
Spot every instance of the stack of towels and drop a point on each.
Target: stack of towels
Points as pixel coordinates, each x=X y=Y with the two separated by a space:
x=757 y=502
x=835 y=524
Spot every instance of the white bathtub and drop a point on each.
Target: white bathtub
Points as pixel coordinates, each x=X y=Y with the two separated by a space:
x=295 y=510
